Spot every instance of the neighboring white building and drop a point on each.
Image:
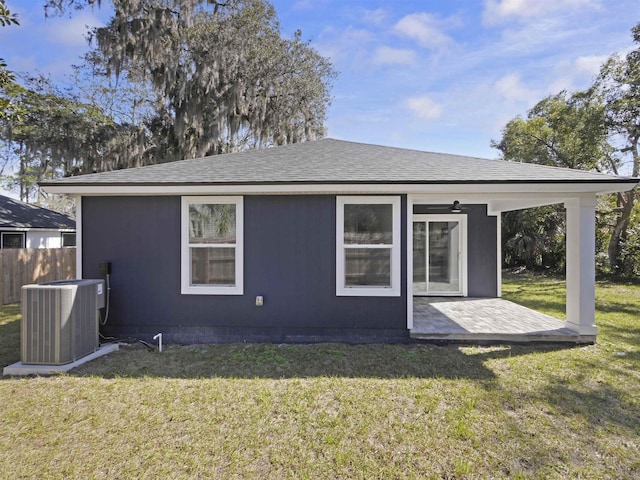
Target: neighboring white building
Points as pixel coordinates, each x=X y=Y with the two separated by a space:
x=27 y=226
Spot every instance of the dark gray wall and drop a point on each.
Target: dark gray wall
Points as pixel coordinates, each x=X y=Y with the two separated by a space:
x=482 y=255
x=289 y=258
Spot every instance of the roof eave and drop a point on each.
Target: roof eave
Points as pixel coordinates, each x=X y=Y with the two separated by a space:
x=25 y=228
x=169 y=188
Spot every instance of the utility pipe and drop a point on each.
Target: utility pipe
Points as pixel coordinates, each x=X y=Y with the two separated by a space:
x=159 y=338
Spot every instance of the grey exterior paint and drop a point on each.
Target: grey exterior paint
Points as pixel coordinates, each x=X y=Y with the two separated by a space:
x=289 y=258
x=289 y=237
x=482 y=251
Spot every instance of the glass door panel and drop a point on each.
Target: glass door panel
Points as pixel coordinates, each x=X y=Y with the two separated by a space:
x=443 y=257
x=437 y=257
x=420 y=258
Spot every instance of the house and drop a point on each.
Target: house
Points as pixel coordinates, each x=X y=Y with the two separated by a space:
x=27 y=226
x=319 y=241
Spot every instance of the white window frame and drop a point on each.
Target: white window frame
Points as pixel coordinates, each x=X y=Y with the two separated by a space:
x=186 y=287
x=62 y=236
x=342 y=290
x=22 y=234
x=461 y=218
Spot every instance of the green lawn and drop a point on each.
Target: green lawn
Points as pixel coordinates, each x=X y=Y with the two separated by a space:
x=338 y=411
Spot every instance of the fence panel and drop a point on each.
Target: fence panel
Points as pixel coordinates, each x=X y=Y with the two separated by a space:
x=22 y=266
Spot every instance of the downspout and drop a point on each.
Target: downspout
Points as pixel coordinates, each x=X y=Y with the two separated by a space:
x=78 y=199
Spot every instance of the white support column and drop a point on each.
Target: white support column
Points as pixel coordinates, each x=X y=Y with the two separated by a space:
x=499 y=253
x=409 y=262
x=581 y=264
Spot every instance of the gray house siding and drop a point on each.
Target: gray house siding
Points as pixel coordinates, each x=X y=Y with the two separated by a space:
x=482 y=252
x=289 y=259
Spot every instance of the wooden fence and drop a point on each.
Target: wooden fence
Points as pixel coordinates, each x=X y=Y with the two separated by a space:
x=22 y=266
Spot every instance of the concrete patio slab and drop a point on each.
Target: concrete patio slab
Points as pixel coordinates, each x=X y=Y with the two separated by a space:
x=487 y=319
x=22 y=369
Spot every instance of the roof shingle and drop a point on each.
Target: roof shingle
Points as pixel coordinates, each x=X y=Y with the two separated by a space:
x=17 y=214
x=330 y=161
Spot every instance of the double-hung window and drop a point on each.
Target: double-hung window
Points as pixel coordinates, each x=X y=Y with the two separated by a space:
x=368 y=246
x=212 y=240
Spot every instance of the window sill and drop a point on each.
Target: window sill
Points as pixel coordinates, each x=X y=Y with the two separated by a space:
x=205 y=290
x=368 y=292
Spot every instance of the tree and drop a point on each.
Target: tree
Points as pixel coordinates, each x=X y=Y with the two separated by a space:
x=48 y=133
x=129 y=103
x=597 y=129
x=619 y=86
x=563 y=131
x=222 y=76
x=167 y=79
x=6 y=17
x=6 y=77
x=226 y=79
x=534 y=238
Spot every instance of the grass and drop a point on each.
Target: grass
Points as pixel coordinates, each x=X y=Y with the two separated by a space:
x=339 y=411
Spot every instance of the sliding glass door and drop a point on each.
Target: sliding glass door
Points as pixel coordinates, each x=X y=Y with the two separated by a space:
x=438 y=254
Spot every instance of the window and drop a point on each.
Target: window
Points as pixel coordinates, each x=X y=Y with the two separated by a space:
x=69 y=239
x=13 y=240
x=368 y=246
x=212 y=229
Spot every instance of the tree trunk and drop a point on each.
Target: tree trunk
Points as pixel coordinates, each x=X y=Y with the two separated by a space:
x=21 y=172
x=625 y=202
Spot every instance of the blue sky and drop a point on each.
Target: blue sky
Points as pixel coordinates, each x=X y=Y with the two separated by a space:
x=432 y=75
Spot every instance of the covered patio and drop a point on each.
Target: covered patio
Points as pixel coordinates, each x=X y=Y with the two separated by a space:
x=464 y=315
x=466 y=319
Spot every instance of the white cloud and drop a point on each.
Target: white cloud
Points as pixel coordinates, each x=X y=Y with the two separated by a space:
x=511 y=89
x=499 y=11
x=534 y=36
x=394 y=56
x=426 y=29
x=375 y=17
x=19 y=63
x=351 y=44
x=305 y=5
x=590 y=64
x=70 y=32
x=424 y=107
x=563 y=82
x=576 y=74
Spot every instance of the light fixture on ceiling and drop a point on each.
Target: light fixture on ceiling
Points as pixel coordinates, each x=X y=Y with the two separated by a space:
x=455 y=208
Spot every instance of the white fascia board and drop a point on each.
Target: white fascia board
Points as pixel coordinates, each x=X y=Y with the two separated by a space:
x=358 y=188
x=502 y=202
x=42 y=230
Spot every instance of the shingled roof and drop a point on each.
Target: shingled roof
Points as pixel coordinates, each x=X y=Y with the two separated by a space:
x=17 y=214
x=330 y=161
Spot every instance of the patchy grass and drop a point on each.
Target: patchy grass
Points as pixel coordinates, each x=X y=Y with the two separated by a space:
x=9 y=334
x=339 y=411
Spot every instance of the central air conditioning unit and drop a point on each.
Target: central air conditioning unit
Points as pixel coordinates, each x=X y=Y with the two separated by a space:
x=60 y=321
